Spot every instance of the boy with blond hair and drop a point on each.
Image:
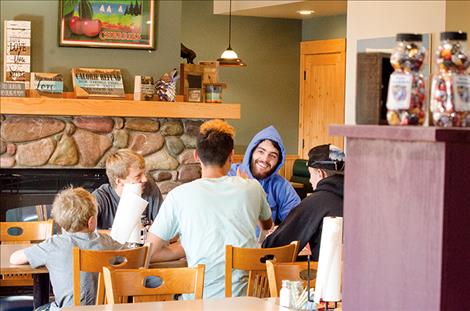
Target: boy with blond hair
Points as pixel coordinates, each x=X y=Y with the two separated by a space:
x=211 y=212
x=125 y=166
x=74 y=210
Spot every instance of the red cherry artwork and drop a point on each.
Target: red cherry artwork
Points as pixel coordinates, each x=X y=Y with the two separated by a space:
x=75 y=25
x=91 y=28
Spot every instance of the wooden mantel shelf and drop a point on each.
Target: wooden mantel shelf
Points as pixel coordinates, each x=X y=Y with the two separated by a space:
x=116 y=108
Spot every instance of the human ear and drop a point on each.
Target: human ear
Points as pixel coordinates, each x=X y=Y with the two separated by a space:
x=91 y=223
x=118 y=181
x=196 y=156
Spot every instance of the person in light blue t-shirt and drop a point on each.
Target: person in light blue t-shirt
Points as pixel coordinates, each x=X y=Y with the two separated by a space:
x=211 y=212
x=75 y=211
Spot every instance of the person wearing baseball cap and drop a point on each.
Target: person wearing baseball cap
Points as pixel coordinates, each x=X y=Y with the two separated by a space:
x=304 y=223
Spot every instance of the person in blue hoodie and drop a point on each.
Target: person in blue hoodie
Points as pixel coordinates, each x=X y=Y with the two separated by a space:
x=263 y=158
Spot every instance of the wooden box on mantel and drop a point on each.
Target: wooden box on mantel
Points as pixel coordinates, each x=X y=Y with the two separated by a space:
x=406 y=218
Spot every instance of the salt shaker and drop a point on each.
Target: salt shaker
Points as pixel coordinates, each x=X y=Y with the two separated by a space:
x=284 y=294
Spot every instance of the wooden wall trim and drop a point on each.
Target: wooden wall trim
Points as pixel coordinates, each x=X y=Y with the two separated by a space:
x=323 y=46
x=116 y=108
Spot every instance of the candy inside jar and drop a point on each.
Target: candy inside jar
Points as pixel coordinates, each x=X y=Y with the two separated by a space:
x=450 y=92
x=407 y=93
x=409 y=54
x=451 y=55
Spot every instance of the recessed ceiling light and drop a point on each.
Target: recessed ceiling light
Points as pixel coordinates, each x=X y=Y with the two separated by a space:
x=306 y=12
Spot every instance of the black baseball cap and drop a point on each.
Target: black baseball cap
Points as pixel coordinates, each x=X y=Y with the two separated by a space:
x=327 y=157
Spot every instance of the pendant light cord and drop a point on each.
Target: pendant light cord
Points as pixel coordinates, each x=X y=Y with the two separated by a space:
x=230 y=25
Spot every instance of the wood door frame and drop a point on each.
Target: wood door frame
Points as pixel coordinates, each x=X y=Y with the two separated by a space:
x=318 y=47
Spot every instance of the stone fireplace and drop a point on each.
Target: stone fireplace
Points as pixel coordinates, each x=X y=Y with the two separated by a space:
x=74 y=144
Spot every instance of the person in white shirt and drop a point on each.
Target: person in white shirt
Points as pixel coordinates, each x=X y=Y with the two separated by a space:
x=211 y=212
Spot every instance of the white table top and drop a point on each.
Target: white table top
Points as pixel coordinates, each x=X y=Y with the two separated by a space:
x=7 y=268
x=223 y=304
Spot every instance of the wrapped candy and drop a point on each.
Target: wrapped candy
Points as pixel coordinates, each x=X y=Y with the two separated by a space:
x=407 y=93
x=450 y=92
x=165 y=88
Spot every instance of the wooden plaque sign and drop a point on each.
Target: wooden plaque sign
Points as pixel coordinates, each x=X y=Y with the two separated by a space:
x=93 y=82
x=10 y=89
x=17 y=52
x=144 y=88
x=46 y=84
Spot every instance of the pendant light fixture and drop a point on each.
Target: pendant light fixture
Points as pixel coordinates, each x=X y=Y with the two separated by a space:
x=229 y=57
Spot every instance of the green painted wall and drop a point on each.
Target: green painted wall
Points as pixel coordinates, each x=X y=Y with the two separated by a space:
x=324 y=27
x=268 y=88
x=47 y=56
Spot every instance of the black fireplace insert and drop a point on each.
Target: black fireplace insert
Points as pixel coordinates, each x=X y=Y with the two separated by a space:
x=28 y=187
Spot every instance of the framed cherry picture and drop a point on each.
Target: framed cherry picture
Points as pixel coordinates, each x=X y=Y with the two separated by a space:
x=128 y=24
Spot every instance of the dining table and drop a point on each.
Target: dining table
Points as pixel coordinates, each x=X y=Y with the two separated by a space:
x=216 y=304
x=40 y=274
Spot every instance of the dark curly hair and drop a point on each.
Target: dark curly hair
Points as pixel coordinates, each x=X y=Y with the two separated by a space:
x=215 y=142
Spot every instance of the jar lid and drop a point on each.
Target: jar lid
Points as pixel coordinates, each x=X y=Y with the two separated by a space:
x=409 y=37
x=454 y=35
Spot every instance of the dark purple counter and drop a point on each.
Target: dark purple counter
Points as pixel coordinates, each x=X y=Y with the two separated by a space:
x=406 y=218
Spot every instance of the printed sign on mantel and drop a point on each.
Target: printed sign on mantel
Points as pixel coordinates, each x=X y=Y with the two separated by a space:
x=94 y=82
x=17 y=49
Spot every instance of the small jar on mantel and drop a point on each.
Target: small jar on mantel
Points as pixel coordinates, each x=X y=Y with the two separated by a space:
x=406 y=100
x=450 y=91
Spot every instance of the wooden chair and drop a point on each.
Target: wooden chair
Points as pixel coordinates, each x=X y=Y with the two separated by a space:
x=23 y=232
x=254 y=261
x=95 y=260
x=124 y=283
x=26 y=232
x=293 y=271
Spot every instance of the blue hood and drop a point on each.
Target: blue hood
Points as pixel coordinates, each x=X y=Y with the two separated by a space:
x=281 y=197
x=268 y=133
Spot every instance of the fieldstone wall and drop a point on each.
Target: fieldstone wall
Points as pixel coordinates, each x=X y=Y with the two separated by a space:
x=84 y=142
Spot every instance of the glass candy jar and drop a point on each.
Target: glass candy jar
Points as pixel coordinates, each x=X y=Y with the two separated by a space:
x=450 y=91
x=406 y=91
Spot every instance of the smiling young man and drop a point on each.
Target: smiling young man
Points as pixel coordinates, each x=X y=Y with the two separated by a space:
x=263 y=158
x=125 y=166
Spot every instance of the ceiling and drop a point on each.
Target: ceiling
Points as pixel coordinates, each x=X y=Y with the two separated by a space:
x=282 y=9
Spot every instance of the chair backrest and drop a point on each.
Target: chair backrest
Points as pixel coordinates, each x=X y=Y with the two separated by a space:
x=29 y=213
x=31 y=231
x=167 y=282
x=293 y=271
x=254 y=261
x=95 y=260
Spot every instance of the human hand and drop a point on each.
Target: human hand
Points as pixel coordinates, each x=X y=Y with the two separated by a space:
x=271 y=230
x=242 y=174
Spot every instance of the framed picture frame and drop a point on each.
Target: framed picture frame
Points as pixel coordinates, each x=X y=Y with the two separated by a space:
x=126 y=24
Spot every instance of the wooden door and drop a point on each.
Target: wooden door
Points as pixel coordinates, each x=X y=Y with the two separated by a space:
x=322 y=73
